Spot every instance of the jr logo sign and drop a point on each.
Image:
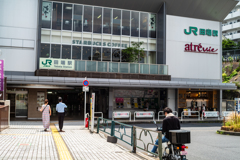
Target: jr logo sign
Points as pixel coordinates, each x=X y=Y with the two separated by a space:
x=202 y=31
x=191 y=29
x=47 y=62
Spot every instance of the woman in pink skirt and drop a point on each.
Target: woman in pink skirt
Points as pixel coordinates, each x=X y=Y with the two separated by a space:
x=46 y=113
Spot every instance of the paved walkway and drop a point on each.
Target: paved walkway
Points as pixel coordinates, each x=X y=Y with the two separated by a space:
x=27 y=140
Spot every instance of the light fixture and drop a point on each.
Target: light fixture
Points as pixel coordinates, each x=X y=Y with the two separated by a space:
x=49 y=92
x=132 y=19
x=68 y=7
x=116 y=17
x=99 y=16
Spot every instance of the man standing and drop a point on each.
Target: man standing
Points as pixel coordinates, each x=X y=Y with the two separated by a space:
x=60 y=109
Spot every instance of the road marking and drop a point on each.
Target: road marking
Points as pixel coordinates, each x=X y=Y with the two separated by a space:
x=63 y=151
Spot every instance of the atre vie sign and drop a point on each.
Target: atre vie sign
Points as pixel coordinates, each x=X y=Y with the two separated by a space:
x=59 y=64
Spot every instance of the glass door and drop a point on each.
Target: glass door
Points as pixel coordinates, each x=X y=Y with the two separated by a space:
x=21 y=104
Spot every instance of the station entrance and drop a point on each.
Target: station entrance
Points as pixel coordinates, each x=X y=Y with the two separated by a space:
x=74 y=99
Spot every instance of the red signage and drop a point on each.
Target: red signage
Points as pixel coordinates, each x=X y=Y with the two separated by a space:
x=199 y=48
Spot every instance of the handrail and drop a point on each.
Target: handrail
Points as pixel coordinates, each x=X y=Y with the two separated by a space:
x=153 y=115
x=182 y=115
x=134 y=137
x=164 y=115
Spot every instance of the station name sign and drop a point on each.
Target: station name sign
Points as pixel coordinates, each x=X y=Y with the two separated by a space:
x=202 y=31
x=53 y=63
x=97 y=43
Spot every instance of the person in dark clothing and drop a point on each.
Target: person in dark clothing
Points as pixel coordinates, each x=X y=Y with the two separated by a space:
x=169 y=123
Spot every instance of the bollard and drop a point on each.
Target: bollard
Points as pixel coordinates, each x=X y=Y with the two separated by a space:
x=134 y=140
x=160 y=145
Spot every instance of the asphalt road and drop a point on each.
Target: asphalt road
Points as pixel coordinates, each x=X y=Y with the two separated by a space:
x=206 y=144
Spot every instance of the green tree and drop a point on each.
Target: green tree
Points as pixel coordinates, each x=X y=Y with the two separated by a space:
x=228 y=44
x=134 y=53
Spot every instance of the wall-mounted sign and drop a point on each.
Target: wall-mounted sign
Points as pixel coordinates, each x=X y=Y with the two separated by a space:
x=46 y=11
x=202 y=31
x=199 y=48
x=60 y=64
x=97 y=43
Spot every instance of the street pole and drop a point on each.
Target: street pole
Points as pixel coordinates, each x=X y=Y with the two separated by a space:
x=85 y=106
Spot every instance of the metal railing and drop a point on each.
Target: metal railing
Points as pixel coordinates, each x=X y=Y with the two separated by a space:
x=182 y=114
x=227 y=113
x=162 y=115
x=211 y=114
x=148 y=114
x=121 y=114
x=121 y=67
x=134 y=138
x=98 y=113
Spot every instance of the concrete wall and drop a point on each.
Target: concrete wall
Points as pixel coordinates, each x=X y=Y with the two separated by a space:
x=32 y=103
x=171 y=102
x=192 y=65
x=18 y=34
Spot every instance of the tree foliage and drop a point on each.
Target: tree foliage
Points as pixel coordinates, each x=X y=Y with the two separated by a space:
x=134 y=53
x=228 y=44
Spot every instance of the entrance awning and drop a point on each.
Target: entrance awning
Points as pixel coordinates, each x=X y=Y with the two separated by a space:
x=70 y=82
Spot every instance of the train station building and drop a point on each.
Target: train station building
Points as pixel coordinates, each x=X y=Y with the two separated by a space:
x=49 y=47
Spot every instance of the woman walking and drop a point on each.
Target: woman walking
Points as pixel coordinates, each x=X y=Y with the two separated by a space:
x=46 y=113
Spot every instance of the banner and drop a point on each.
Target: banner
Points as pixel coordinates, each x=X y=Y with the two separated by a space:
x=121 y=114
x=211 y=114
x=144 y=114
x=46 y=11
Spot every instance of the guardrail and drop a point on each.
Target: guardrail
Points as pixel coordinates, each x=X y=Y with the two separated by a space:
x=210 y=114
x=162 y=115
x=121 y=114
x=144 y=114
x=120 y=67
x=227 y=113
x=188 y=115
x=98 y=113
x=132 y=136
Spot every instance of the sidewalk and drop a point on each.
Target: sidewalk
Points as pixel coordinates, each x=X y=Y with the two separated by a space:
x=27 y=140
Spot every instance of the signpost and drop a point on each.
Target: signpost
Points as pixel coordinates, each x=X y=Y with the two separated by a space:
x=2 y=80
x=85 y=89
x=92 y=111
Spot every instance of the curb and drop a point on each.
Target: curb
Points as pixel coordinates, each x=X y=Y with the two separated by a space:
x=228 y=132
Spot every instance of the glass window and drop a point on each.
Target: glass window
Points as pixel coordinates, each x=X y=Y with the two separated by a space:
x=126 y=23
x=116 y=55
x=45 y=50
x=143 y=24
x=135 y=24
x=87 y=23
x=76 y=52
x=55 y=50
x=67 y=17
x=124 y=57
x=97 y=28
x=116 y=21
x=77 y=18
x=106 y=54
x=86 y=53
x=66 y=52
x=57 y=16
x=96 y=53
x=152 y=26
x=107 y=16
x=143 y=59
x=46 y=14
x=152 y=57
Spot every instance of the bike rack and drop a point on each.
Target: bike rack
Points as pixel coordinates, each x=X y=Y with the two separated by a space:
x=211 y=112
x=182 y=114
x=147 y=116
x=123 y=116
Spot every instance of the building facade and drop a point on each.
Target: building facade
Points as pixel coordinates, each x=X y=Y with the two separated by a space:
x=231 y=24
x=51 y=46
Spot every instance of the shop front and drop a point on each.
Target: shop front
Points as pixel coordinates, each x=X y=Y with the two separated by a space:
x=139 y=99
x=197 y=100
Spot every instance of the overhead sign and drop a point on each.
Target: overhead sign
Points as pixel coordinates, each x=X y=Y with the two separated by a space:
x=53 y=63
x=202 y=31
x=85 y=83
